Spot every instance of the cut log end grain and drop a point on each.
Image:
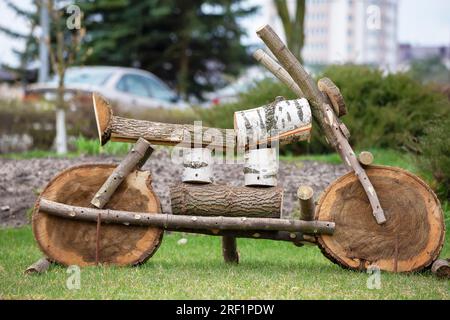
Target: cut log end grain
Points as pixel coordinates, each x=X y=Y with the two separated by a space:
x=305 y=192
x=412 y=236
x=334 y=94
x=71 y=242
x=39 y=266
x=103 y=117
x=365 y=158
x=441 y=268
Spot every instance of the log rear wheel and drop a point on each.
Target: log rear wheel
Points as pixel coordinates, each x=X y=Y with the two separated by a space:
x=410 y=240
x=71 y=242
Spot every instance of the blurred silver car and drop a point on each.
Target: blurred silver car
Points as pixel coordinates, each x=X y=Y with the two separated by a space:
x=127 y=88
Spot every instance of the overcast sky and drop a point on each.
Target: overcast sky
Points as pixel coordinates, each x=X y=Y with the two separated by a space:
x=423 y=22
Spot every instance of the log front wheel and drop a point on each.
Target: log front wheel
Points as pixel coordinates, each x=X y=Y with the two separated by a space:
x=410 y=240
x=71 y=242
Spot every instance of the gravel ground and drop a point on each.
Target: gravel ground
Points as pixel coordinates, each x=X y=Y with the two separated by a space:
x=22 y=180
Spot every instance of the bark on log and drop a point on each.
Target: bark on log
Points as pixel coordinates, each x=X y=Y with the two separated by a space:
x=261 y=167
x=39 y=266
x=229 y=249
x=278 y=71
x=297 y=238
x=305 y=196
x=283 y=121
x=175 y=222
x=197 y=164
x=323 y=114
x=111 y=127
x=441 y=268
x=365 y=158
x=224 y=200
x=135 y=159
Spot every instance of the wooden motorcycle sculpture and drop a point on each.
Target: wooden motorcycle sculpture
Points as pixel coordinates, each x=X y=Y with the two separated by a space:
x=373 y=215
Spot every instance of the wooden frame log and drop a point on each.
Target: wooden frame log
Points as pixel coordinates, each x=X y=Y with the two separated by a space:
x=278 y=71
x=229 y=249
x=39 y=266
x=225 y=200
x=114 y=128
x=135 y=159
x=297 y=238
x=187 y=222
x=322 y=112
x=305 y=196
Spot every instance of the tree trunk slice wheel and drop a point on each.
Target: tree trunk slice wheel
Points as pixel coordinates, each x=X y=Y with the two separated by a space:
x=71 y=242
x=410 y=240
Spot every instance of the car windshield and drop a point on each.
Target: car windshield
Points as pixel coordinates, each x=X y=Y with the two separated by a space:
x=145 y=86
x=85 y=76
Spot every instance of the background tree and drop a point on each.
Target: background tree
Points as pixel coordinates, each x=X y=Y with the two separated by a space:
x=430 y=70
x=29 y=53
x=63 y=46
x=187 y=43
x=293 y=25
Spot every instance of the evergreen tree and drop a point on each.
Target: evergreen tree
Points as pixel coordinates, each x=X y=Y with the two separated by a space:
x=187 y=43
x=30 y=52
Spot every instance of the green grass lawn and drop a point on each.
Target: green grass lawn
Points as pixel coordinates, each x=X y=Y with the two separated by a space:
x=268 y=270
x=381 y=156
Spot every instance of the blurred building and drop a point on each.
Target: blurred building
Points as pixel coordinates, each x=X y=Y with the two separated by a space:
x=6 y=76
x=345 y=31
x=408 y=53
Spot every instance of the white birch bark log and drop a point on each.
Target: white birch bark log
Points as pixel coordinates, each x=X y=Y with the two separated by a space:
x=61 y=132
x=197 y=163
x=284 y=121
x=261 y=167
